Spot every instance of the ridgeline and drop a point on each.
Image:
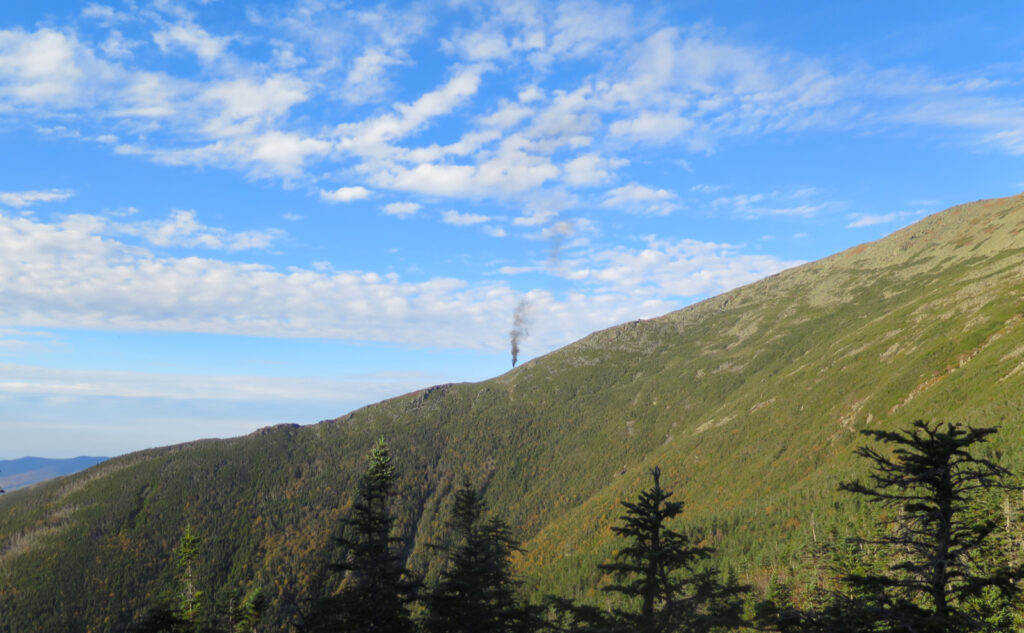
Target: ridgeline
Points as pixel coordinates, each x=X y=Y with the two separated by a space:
x=750 y=402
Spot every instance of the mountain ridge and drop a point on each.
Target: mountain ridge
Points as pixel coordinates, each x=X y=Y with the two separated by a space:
x=26 y=471
x=749 y=401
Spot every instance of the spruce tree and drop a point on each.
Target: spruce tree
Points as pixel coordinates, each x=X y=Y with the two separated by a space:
x=476 y=591
x=677 y=590
x=375 y=585
x=246 y=616
x=182 y=615
x=189 y=596
x=927 y=487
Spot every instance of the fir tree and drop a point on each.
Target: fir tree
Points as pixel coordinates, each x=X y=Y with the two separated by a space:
x=670 y=578
x=247 y=615
x=476 y=590
x=189 y=596
x=927 y=487
x=182 y=614
x=375 y=586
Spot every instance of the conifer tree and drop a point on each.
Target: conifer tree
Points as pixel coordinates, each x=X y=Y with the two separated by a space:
x=189 y=596
x=246 y=616
x=182 y=615
x=476 y=590
x=670 y=578
x=927 y=487
x=375 y=586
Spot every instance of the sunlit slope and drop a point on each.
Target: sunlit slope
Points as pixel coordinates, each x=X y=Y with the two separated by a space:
x=756 y=395
x=749 y=401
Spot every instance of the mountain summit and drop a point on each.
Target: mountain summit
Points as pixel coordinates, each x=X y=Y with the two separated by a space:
x=749 y=402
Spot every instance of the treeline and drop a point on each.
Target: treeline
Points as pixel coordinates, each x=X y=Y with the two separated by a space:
x=937 y=561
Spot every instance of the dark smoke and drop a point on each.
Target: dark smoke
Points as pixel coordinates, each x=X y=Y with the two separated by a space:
x=519 y=331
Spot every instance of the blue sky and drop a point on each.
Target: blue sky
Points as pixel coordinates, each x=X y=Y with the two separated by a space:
x=216 y=216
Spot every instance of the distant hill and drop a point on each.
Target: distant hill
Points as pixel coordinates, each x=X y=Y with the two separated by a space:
x=750 y=402
x=25 y=471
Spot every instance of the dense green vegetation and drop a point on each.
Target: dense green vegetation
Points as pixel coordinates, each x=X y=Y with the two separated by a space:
x=750 y=402
x=940 y=573
x=932 y=565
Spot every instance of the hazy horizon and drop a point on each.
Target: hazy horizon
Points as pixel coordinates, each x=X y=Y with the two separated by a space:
x=217 y=217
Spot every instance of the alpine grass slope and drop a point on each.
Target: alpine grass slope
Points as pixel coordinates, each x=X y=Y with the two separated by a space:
x=749 y=402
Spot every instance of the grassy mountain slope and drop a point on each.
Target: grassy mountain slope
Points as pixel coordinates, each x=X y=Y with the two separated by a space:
x=749 y=401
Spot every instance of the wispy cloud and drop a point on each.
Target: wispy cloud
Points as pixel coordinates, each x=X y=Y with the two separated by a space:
x=463 y=219
x=19 y=199
x=193 y=39
x=637 y=198
x=773 y=204
x=401 y=209
x=23 y=379
x=345 y=194
x=181 y=229
x=687 y=86
x=68 y=274
x=860 y=220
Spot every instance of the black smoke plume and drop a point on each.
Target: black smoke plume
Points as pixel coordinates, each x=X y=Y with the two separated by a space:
x=519 y=331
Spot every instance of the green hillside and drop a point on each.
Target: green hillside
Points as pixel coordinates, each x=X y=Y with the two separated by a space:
x=749 y=402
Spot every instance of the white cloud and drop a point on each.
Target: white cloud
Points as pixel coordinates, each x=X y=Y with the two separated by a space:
x=510 y=170
x=118 y=47
x=530 y=94
x=591 y=169
x=705 y=188
x=463 y=219
x=19 y=199
x=685 y=268
x=41 y=67
x=263 y=155
x=182 y=229
x=752 y=206
x=479 y=45
x=535 y=217
x=740 y=200
x=150 y=95
x=367 y=135
x=100 y=12
x=581 y=27
x=637 y=198
x=243 y=104
x=345 y=194
x=279 y=153
x=860 y=220
x=24 y=339
x=430 y=179
x=24 y=379
x=365 y=79
x=401 y=209
x=652 y=127
x=68 y=274
x=507 y=115
x=192 y=38
x=690 y=87
x=518 y=270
